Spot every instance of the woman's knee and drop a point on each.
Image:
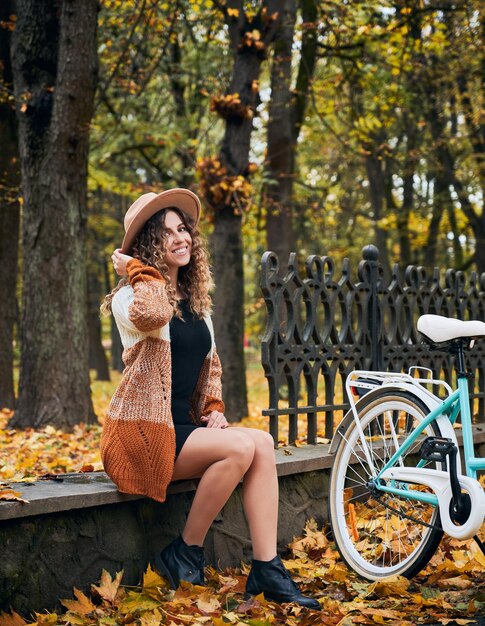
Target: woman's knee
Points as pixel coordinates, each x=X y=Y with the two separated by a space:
x=241 y=449
x=264 y=445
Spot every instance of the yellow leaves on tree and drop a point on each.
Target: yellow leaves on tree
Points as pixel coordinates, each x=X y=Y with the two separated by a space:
x=252 y=39
x=222 y=190
x=231 y=106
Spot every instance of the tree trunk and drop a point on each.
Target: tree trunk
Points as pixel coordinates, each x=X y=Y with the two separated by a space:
x=185 y=152
x=375 y=176
x=439 y=194
x=459 y=259
x=306 y=68
x=280 y=170
x=229 y=312
x=116 y=345
x=286 y=115
x=97 y=355
x=248 y=53
x=227 y=249
x=9 y=215
x=410 y=163
x=446 y=168
x=54 y=58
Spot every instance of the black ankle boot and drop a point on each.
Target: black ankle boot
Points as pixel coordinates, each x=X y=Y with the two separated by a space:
x=273 y=579
x=178 y=561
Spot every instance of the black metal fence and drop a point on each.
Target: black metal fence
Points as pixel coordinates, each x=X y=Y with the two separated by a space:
x=323 y=323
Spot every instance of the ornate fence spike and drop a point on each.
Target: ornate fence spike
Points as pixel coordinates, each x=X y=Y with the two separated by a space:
x=320 y=326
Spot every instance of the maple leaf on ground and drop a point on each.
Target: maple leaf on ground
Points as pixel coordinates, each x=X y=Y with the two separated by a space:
x=338 y=592
x=82 y=605
x=152 y=618
x=11 y=496
x=337 y=573
x=109 y=589
x=457 y=582
x=46 y=619
x=207 y=603
x=138 y=602
x=186 y=592
x=314 y=542
x=154 y=585
x=477 y=564
x=390 y=586
x=11 y=619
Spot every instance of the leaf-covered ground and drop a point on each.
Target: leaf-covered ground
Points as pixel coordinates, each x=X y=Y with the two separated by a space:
x=32 y=453
x=451 y=588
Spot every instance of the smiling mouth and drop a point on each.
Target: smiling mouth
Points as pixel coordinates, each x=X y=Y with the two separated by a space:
x=180 y=251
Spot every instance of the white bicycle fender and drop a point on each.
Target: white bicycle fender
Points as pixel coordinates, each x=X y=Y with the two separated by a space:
x=439 y=482
x=431 y=401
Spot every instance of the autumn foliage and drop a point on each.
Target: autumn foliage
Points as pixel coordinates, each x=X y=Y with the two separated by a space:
x=453 y=586
x=222 y=190
x=231 y=106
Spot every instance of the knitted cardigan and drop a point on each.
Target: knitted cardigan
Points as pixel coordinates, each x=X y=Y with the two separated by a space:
x=138 y=439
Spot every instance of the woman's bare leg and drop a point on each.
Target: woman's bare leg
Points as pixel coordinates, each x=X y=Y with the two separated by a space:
x=220 y=458
x=260 y=495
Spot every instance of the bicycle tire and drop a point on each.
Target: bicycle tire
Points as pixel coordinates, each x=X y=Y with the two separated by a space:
x=371 y=538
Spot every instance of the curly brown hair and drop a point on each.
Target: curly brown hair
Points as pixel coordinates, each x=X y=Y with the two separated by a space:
x=195 y=278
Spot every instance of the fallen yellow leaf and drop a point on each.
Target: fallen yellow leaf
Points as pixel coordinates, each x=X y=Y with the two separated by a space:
x=391 y=586
x=82 y=605
x=457 y=582
x=11 y=495
x=207 y=603
x=11 y=619
x=108 y=588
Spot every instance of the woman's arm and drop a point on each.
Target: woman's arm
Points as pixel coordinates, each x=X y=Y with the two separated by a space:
x=150 y=308
x=145 y=307
x=213 y=392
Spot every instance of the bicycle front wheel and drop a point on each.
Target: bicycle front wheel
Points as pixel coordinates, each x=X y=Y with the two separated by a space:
x=380 y=534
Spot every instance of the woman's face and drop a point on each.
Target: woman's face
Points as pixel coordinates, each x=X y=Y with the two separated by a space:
x=178 y=242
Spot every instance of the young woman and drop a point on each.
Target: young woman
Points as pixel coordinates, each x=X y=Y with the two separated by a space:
x=166 y=419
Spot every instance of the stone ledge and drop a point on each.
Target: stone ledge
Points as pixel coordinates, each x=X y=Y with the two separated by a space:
x=79 y=491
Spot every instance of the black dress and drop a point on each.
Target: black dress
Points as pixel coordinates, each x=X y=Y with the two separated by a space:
x=190 y=343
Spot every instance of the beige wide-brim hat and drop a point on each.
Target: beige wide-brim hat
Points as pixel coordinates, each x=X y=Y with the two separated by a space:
x=149 y=203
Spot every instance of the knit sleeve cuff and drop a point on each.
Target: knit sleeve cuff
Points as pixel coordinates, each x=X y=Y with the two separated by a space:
x=140 y=273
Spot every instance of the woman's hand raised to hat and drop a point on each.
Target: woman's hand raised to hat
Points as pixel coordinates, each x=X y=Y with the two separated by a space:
x=119 y=261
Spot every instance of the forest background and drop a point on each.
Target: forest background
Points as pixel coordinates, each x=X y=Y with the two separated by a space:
x=304 y=125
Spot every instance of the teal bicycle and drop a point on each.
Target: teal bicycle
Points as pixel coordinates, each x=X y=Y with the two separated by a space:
x=397 y=483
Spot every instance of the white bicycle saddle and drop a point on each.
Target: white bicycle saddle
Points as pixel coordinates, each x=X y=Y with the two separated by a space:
x=439 y=328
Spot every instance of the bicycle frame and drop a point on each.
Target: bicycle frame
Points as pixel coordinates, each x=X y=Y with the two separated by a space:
x=396 y=478
x=456 y=403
